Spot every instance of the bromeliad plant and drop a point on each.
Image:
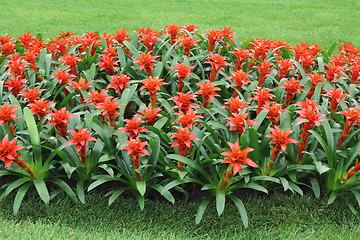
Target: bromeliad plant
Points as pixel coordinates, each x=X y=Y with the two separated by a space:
x=157 y=112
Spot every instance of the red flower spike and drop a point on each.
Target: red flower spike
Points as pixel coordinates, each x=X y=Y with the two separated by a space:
x=15 y=85
x=213 y=37
x=71 y=61
x=80 y=138
x=132 y=127
x=145 y=62
x=40 y=107
x=238 y=157
x=235 y=105
x=110 y=109
x=262 y=96
x=61 y=120
x=173 y=30
x=121 y=36
x=150 y=115
x=29 y=57
x=149 y=39
x=227 y=33
x=187 y=42
x=352 y=118
x=118 y=82
x=7 y=114
x=352 y=171
x=187 y=119
x=315 y=79
x=207 y=90
x=190 y=28
x=81 y=84
x=285 y=66
x=183 y=72
x=292 y=87
x=217 y=63
x=152 y=85
x=264 y=71
x=63 y=76
x=333 y=72
x=308 y=104
x=281 y=139
x=238 y=120
x=241 y=55
x=8 y=151
x=182 y=101
x=136 y=148
x=274 y=112
x=335 y=95
x=107 y=63
x=32 y=94
x=97 y=97
x=355 y=71
x=240 y=79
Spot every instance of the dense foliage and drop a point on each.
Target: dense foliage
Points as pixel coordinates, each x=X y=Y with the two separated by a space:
x=174 y=111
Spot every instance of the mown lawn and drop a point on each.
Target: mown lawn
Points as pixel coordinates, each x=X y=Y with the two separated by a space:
x=323 y=22
x=273 y=217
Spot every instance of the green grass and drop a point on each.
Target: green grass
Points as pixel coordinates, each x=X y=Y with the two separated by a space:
x=273 y=217
x=323 y=22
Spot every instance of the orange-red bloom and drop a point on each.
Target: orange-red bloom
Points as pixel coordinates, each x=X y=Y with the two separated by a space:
x=146 y=62
x=183 y=72
x=217 y=63
x=207 y=90
x=241 y=55
x=15 y=85
x=238 y=157
x=240 y=79
x=238 y=120
x=80 y=138
x=274 y=112
x=315 y=79
x=187 y=42
x=118 y=82
x=61 y=120
x=152 y=85
x=182 y=101
x=150 y=114
x=110 y=109
x=292 y=87
x=40 y=107
x=262 y=96
x=281 y=139
x=7 y=113
x=335 y=95
x=188 y=119
x=352 y=118
x=235 y=105
x=264 y=70
x=132 y=127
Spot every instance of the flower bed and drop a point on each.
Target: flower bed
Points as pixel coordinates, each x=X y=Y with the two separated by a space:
x=167 y=111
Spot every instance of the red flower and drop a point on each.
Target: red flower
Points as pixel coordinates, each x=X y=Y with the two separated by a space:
x=188 y=119
x=135 y=148
x=108 y=63
x=207 y=90
x=352 y=171
x=121 y=36
x=262 y=96
x=8 y=151
x=274 y=112
x=237 y=157
x=333 y=72
x=182 y=101
x=118 y=82
x=190 y=28
x=352 y=118
x=217 y=63
x=281 y=139
x=97 y=97
x=183 y=72
x=15 y=85
x=264 y=70
x=335 y=95
x=81 y=84
x=285 y=66
x=241 y=55
x=132 y=127
x=315 y=79
x=238 y=120
x=213 y=37
x=71 y=61
x=227 y=33
x=187 y=42
x=7 y=114
x=109 y=108
x=240 y=79
x=173 y=30
x=235 y=105
x=80 y=138
x=292 y=87
x=355 y=71
x=16 y=65
x=40 y=107
x=150 y=115
x=145 y=62
x=63 y=76
x=149 y=39
x=61 y=119
x=152 y=85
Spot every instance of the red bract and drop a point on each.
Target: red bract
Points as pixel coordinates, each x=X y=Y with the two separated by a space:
x=145 y=62
x=149 y=39
x=183 y=142
x=190 y=28
x=285 y=66
x=152 y=85
x=188 y=119
x=71 y=61
x=333 y=72
x=240 y=79
x=274 y=112
x=261 y=48
x=183 y=72
x=63 y=76
x=40 y=107
x=150 y=115
x=110 y=109
x=81 y=84
x=182 y=101
x=241 y=55
x=187 y=42
x=262 y=96
x=97 y=97
x=292 y=87
x=355 y=71
x=213 y=37
x=264 y=70
x=136 y=148
x=352 y=118
x=107 y=63
x=173 y=30
x=7 y=113
x=207 y=90
x=238 y=157
x=217 y=63
x=352 y=171
x=235 y=105
x=80 y=138
x=30 y=59
x=118 y=82
x=121 y=36
x=238 y=120
x=315 y=79
x=15 y=85
x=335 y=95
x=61 y=120
x=132 y=127
x=227 y=33
x=32 y=94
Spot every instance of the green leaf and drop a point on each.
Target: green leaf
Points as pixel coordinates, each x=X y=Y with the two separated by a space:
x=15 y=184
x=80 y=191
x=19 y=197
x=132 y=49
x=202 y=207
x=141 y=201
x=357 y=196
x=284 y=183
x=42 y=190
x=141 y=186
x=315 y=187
x=220 y=202
x=332 y=197
x=34 y=135
x=240 y=206
x=116 y=194
x=67 y=189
